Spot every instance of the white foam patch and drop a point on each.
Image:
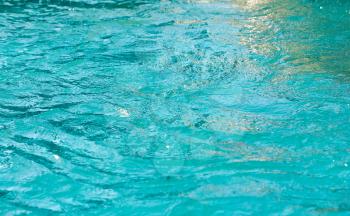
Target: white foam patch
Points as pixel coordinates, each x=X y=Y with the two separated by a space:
x=123 y=112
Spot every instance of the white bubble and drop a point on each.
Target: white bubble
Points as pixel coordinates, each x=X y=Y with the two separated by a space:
x=123 y=112
x=56 y=157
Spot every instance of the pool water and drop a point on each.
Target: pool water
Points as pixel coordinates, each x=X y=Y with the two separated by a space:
x=145 y=107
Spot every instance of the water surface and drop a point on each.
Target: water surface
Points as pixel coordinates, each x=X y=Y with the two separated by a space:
x=175 y=107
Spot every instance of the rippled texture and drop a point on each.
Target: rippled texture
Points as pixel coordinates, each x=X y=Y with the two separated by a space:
x=175 y=107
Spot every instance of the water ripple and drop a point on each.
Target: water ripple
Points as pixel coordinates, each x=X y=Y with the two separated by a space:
x=174 y=107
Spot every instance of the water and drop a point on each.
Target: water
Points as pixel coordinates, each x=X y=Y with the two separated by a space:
x=175 y=107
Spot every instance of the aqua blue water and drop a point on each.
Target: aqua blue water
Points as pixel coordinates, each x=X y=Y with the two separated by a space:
x=208 y=107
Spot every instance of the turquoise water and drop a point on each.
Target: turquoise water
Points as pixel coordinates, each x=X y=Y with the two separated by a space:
x=175 y=107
